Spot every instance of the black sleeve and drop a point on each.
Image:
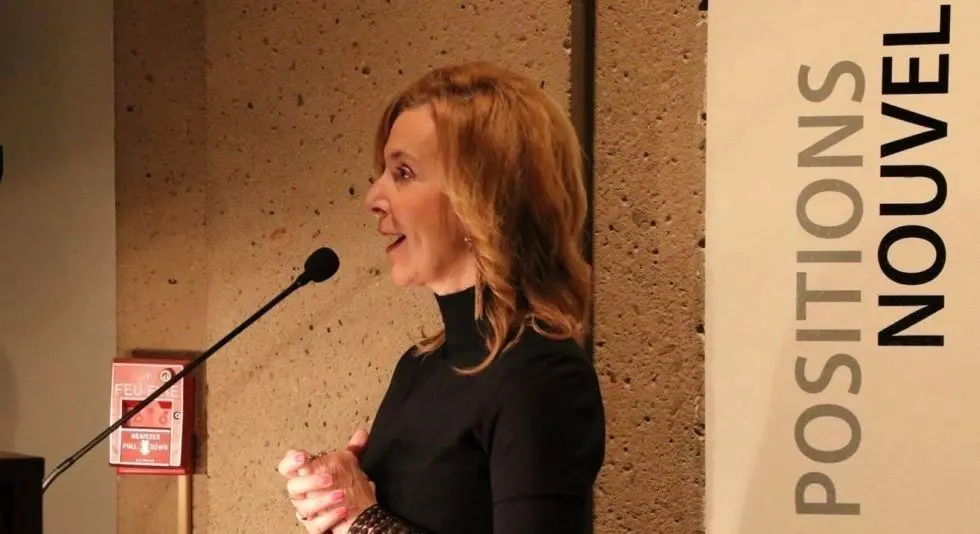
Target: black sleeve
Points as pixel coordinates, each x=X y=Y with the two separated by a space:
x=377 y=520
x=547 y=445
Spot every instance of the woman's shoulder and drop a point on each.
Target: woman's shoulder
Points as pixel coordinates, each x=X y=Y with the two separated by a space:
x=547 y=403
x=539 y=367
x=536 y=349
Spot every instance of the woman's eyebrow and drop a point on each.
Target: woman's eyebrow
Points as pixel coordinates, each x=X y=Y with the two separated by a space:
x=401 y=154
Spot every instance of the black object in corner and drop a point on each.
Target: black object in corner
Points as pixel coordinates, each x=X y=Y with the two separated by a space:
x=20 y=493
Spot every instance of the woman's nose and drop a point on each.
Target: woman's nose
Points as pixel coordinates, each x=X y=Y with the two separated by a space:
x=374 y=201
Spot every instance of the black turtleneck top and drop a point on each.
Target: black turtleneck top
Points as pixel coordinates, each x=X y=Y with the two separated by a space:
x=514 y=449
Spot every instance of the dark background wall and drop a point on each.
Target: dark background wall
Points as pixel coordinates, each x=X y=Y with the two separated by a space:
x=57 y=233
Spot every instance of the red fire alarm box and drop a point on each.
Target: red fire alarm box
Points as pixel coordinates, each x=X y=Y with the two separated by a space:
x=158 y=439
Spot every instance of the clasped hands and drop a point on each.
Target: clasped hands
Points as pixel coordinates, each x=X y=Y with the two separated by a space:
x=328 y=490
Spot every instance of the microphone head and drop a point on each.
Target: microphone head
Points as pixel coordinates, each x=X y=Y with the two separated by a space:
x=321 y=265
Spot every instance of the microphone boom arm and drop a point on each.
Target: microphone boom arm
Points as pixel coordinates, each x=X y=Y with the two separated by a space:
x=302 y=280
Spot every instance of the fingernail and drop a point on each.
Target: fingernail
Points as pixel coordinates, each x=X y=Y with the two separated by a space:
x=299 y=458
x=325 y=479
x=337 y=496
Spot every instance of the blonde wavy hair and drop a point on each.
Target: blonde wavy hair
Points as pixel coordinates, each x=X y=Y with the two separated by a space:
x=514 y=181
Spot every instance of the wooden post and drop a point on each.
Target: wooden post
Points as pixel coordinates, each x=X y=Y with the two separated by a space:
x=185 y=505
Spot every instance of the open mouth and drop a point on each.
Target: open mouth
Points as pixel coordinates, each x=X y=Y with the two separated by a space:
x=398 y=241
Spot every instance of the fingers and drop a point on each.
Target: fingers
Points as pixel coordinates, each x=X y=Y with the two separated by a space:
x=304 y=470
x=291 y=462
x=299 y=485
x=320 y=504
x=310 y=494
x=358 y=441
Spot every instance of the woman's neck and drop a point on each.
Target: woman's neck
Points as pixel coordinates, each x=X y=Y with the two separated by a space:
x=462 y=275
x=464 y=331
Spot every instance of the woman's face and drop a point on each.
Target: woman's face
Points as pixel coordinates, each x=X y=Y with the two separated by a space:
x=427 y=247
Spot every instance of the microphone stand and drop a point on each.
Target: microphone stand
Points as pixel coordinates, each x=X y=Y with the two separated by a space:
x=300 y=281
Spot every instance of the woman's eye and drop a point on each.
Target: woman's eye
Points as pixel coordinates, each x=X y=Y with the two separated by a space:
x=403 y=173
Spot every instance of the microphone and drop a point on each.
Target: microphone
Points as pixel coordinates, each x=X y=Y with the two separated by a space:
x=322 y=264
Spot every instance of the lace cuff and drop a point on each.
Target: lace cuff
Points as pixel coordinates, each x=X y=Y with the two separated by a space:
x=376 y=520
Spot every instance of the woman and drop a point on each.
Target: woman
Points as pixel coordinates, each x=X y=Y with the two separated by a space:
x=494 y=425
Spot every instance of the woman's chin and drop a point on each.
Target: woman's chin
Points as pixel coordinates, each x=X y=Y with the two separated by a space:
x=399 y=276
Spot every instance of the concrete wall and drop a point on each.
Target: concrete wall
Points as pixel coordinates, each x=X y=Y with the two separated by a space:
x=57 y=262
x=649 y=240
x=161 y=212
x=245 y=134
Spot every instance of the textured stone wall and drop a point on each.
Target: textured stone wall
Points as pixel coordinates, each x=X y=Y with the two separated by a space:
x=244 y=136
x=649 y=240
x=161 y=211
x=240 y=153
x=293 y=96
